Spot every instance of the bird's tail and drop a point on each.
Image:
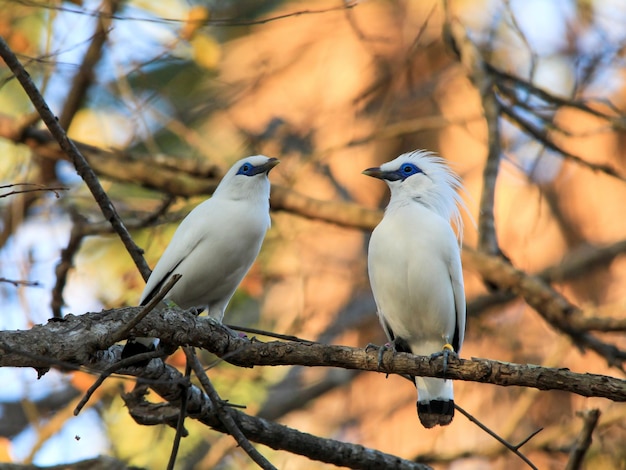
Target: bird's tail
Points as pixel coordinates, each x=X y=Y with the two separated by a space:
x=435 y=401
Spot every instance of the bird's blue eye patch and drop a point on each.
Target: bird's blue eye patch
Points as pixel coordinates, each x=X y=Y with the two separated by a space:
x=406 y=170
x=248 y=169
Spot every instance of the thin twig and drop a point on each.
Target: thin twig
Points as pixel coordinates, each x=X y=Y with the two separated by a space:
x=85 y=75
x=129 y=361
x=224 y=413
x=543 y=137
x=123 y=332
x=38 y=187
x=210 y=22
x=81 y=165
x=180 y=425
x=504 y=442
x=66 y=262
x=583 y=441
x=21 y=283
x=269 y=334
x=470 y=57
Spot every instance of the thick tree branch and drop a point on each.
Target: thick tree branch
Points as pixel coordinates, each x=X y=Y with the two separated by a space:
x=551 y=305
x=75 y=340
x=266 y=432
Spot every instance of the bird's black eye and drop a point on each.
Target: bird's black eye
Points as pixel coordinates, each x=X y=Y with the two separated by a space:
x=245 y=167
x=407 y=169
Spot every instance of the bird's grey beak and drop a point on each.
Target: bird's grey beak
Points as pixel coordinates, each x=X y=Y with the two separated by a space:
x=382 y=175
x=271 y=163
x=375 y=172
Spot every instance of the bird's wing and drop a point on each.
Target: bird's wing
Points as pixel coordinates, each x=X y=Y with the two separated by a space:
x=456 y=278
x=185 y=239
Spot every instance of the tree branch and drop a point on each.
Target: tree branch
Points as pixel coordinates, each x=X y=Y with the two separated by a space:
x=81 y=165
x=583 y=441
x=75 y=341
x=470 y=57
x=551 y=305
x=85 y=74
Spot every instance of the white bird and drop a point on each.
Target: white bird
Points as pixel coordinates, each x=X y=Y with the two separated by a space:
x=414 y=266
x=215 y=245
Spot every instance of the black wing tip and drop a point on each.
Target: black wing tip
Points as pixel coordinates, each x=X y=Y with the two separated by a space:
x=435 y=413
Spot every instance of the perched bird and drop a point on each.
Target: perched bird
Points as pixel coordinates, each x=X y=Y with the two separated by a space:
x=215 y=245
x=414 y=266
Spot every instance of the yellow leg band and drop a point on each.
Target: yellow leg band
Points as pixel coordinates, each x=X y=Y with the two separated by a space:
x=448 y=346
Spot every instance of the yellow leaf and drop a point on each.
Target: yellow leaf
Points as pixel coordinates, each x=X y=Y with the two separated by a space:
x=196 y=18
x=206 y=51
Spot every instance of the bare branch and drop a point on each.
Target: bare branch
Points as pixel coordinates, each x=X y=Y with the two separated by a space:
x=124 y=332
x=38 y=187
x=81 y=165
x=84 y=77
x=504 y=442
x=470 y=58
x=20 y=282
x=66 y=263
x=224 y=412
x=551 y=305
x=583 y=441
x=212 y=22
x=54 y=344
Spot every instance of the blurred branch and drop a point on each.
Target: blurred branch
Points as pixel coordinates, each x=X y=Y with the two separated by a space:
x=575 y=264
x=85 y=75
x=511 y=82
x=54 y=344
x=543 y=136
x=102 y=462
x=20 y=282
x=551 y=305
x=81 y=229
x=583 y=441
x=470 y=57
x=66 y=263
x=81 y=165
x=38 y=187
x=211 y=22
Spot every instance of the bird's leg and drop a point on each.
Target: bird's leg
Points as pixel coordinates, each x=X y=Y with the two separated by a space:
x=381 y=351
x=445 y=352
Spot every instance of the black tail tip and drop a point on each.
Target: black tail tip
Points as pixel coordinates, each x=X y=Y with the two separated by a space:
x=435 y=413
x=132 y=348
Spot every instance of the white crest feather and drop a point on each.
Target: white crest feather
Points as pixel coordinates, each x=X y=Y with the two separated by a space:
x=442 y=195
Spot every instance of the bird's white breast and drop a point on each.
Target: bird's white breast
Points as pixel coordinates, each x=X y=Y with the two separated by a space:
x=409 y=273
